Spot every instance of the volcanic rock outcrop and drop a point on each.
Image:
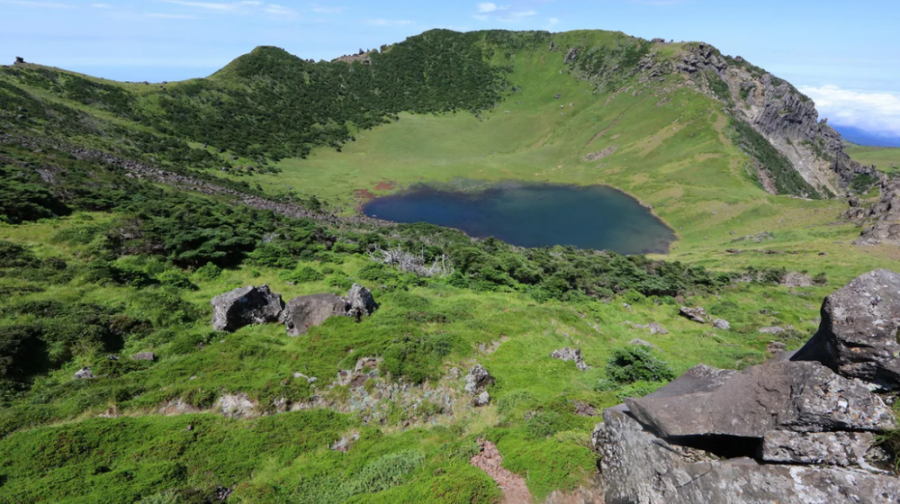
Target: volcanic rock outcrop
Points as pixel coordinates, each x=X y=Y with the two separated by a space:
x=244 y=306
x=788 y=431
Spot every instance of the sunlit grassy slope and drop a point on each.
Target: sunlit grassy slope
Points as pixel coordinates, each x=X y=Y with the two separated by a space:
x=886 y=159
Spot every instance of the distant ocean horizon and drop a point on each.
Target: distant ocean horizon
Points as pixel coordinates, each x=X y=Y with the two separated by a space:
x=862 y=137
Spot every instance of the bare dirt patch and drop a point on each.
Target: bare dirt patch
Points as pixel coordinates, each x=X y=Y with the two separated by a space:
x=386 y=186
x=515 y=491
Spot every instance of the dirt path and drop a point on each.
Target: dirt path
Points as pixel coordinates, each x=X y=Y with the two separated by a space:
x=515 y=491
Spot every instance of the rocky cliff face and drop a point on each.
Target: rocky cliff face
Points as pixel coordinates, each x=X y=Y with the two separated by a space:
x=776 y=110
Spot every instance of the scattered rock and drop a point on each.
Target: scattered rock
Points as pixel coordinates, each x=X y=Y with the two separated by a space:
x=366 y=364
x=795 y=279
x=344 y=444
x=772 y=330
x=304 y=312
x=567 y=354
x=571 y=55
x=477 y=382
x=640 y=342
x=594 y=156
x=775 y=347
x=359 y=302
x=858 y=333
x=584 y=409
x=84 y=373
x=244 y=306
x=697 y=314
x=722 y=324
x=235 y=406
x=144 y=356
x=19 y=61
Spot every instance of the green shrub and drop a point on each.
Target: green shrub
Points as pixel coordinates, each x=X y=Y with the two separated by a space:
x=208 y=272
x=637 y=363
x=304 y=274
x=176 y=279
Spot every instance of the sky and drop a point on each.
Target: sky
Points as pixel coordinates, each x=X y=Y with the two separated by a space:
x=841 y=53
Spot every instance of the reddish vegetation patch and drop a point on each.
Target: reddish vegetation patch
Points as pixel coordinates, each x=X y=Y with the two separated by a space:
x=515 y=491
x=385 y=186
x=364 y=194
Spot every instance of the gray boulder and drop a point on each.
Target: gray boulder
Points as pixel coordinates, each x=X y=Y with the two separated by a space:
x=722 y=324
x=84 y=373
x=858 y=334
x=796 y=396
x=304 y=312
x=832 y=448
x=640 y=468
x=697 y=314
x=144 y=356
x=477 y=382
x=567 y=354
x=359 y=302
x=244 y=306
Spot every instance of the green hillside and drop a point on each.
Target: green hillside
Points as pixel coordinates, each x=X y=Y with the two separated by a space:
x=125 y=207
x=886 y=159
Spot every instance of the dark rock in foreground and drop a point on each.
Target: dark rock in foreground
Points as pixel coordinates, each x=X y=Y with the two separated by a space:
x=858 y=334
x=641 y=468
x=245 y=306
x=787 y=431
x=797 y=396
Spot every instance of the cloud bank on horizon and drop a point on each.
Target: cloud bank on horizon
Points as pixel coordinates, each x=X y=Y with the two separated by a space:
x=873 y=112
x=853 y=74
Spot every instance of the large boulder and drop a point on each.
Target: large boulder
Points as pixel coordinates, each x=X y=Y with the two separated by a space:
x=796 y=396
x=244 y=306
x=641 y=468
x=359 y=302
x=306 y=311
x=858 y=334
x=697 y=314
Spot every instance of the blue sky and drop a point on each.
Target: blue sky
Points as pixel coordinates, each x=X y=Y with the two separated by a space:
x=842 y=53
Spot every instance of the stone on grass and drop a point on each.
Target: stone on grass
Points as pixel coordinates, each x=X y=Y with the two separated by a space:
x=144 y=356
x=84 y=373
x=359 y=302
x=697 y=314
x=722 y=324
x=304 y=312
x=567 y=354
x=244 y=306
x=477 y=381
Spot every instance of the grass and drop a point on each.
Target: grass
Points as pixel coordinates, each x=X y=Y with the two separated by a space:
x=886 y=159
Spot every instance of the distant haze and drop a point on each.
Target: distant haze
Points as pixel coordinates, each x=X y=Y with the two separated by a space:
x=862 y=137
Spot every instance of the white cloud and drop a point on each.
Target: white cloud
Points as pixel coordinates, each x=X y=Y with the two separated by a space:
x=502 y=13
x=875 y=112
x=43 y=5
x=389 y=22
x=279 y=10
x=484 y=8
x=214 y=6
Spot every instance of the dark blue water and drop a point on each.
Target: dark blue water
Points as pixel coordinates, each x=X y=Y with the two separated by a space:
x=534 y=215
